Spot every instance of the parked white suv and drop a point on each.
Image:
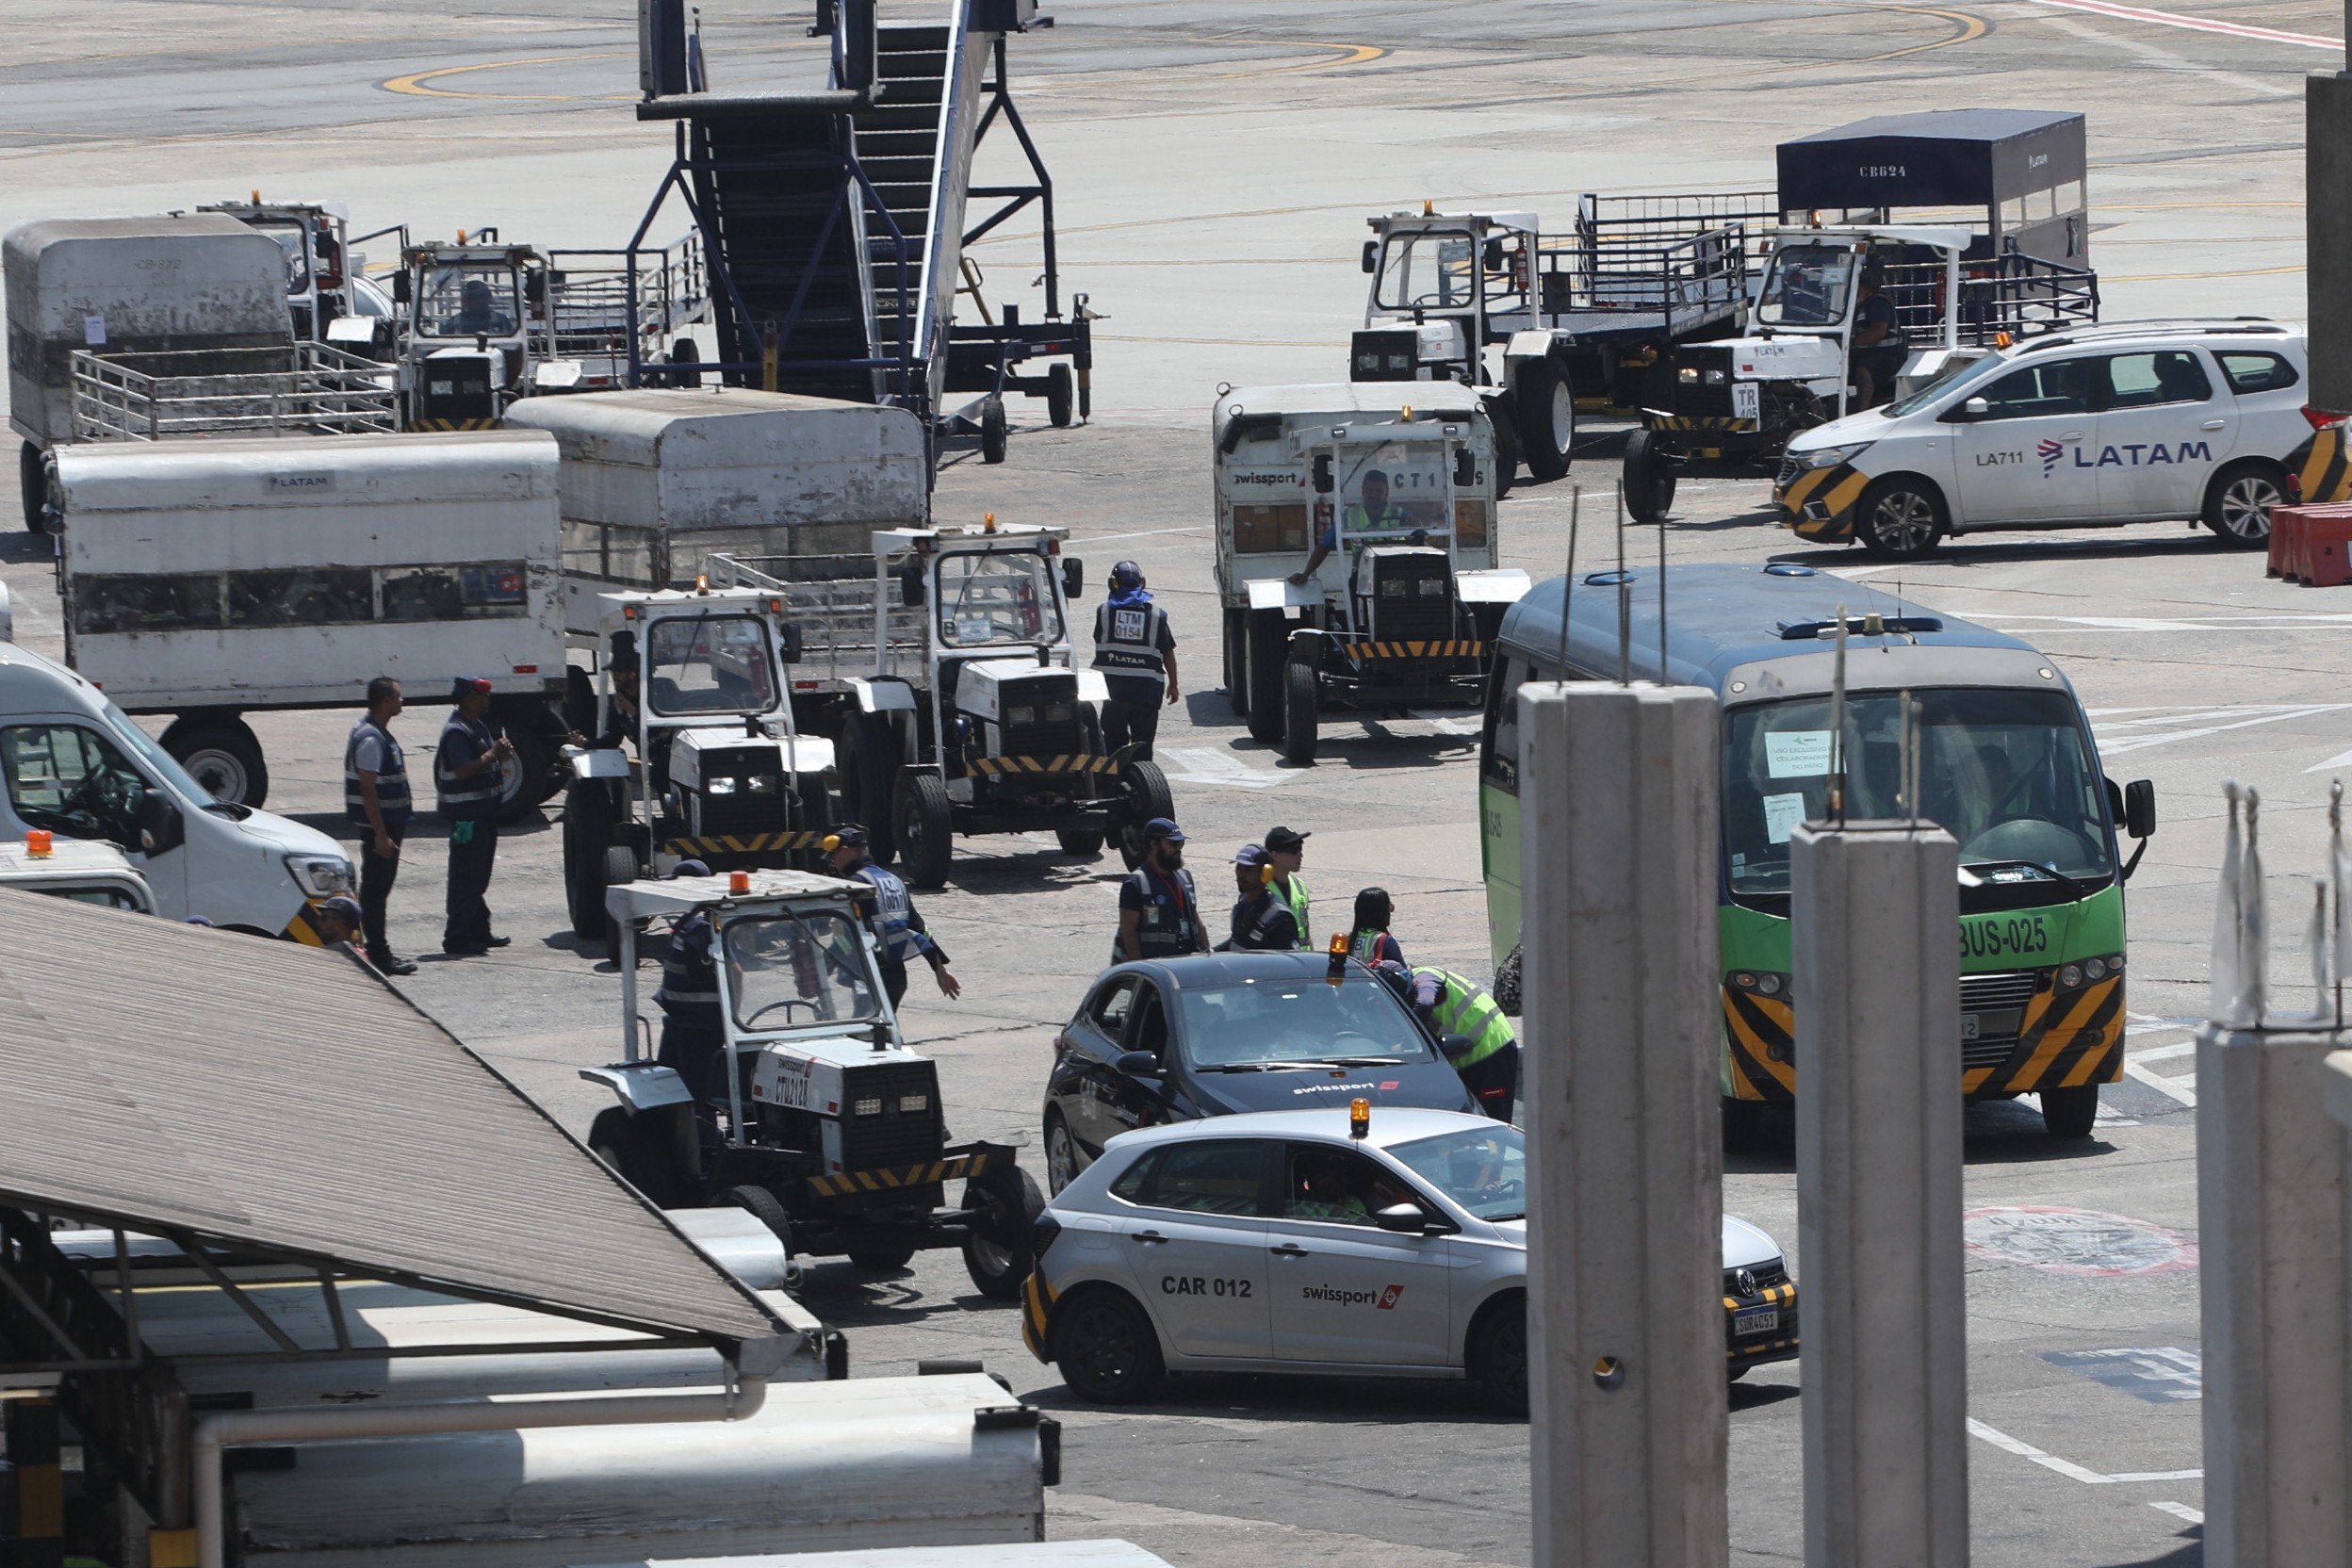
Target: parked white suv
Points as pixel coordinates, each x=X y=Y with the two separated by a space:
x=2126 y=422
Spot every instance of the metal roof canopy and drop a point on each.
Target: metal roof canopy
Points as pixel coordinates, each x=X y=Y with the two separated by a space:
x=1943 y=158
x=247 y=1096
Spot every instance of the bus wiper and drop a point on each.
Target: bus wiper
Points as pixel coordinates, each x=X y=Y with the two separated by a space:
x=1974 y=875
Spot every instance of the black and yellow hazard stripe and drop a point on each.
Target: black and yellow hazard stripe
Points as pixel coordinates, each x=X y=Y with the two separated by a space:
x=992 y=767
x=1455 y=647
x=2322 y=466
x=2065 y=1039
x=1784 y=1298
x=1036 y=1311
x=1726 y=423
x=744 y=844
x=1836 y=488
x=438 y=425
x=1761 y=1032
x=304 y=927
x=895 y=1177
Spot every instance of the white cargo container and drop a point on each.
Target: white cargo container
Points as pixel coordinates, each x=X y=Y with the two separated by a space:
x=656 y=480
x=210 y=579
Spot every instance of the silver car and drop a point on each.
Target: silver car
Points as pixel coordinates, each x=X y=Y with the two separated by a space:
x=1280 y=1241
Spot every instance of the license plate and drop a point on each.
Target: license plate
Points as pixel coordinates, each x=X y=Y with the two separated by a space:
x=1968 y=1026
x=1744 y=404
x=1762 y=1320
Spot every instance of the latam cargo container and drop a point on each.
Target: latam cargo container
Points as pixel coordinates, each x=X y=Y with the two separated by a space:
x=657 y=480
x=208 y=579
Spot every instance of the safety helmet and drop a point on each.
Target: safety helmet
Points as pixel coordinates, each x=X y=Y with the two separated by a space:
x=1126 y=576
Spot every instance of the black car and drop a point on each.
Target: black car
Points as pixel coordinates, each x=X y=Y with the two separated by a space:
x=1180 y=1038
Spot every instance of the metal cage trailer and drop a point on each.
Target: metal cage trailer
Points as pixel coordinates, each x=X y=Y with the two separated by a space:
x=1398 y=498
x=721 y=775
x=821 y=1121
x=970 y=715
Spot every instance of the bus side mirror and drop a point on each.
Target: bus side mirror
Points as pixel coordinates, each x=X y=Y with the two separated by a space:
x=1323 y=474
x=1371 y=256
x=161 y=826
x=1465 y=469
x=1073 y=578
x=788 y=643
x=399 y=288
x=910 y=585
x=2139 y=808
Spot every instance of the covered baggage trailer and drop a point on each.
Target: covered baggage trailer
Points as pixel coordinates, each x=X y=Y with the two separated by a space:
x=654 y=481
x=2015 y=175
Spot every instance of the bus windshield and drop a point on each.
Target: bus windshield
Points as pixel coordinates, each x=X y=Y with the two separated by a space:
x=2008 y=774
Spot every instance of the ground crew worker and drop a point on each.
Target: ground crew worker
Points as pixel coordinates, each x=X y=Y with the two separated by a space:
x=1284 y=849
x=1369 y=941
x=466 y=779
x=1137 y=653
x=376 y=802
x=1878 y=351
x=1375 y=511
x=338 y=921
x=898 y=924
x=694 y=1030
x=1159 y=914
x=1262 y=921
x=1453 y=1006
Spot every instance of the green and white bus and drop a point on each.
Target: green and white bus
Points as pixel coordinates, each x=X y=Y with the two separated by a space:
x=2007 y=766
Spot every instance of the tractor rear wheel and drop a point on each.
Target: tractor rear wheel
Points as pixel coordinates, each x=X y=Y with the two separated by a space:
x=926 y=829
x=1545 y=406
x=1145 y=795
x=1001 y=1205
x=1649 y=479
x=620 y=866
x=1300 y=732
x=587 y=834
x=1265 y=648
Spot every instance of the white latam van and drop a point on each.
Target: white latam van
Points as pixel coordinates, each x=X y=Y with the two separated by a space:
x=72 y=763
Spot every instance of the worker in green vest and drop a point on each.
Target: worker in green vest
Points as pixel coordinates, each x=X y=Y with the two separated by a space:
x=1285 y=847
x=1456 y=1010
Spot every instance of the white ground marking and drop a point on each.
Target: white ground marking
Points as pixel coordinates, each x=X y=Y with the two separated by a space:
x=2066 y=1467
x=2180 y=1510
x=2196 y=23
x=2185 y=1091
x=1230 y=770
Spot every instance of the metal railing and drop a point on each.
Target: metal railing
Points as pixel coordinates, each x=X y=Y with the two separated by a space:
x=299 y=389
x=589 y=296
x=2017 y=294
x=831 y=599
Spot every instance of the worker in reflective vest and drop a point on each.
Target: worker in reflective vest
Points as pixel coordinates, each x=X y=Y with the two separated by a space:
x=1285 y=849
x=465 y=781
x=1456 y=1010
x=1137 y=654
x=1262 y=921
x=1159 y=913
x=898 y=924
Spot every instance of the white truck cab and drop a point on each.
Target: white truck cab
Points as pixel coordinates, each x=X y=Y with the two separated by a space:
x=83 y=869
x=71 y=764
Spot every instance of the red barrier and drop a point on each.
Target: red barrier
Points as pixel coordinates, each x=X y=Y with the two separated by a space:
x=2311 y=545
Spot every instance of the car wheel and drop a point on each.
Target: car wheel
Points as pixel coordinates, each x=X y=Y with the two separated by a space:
x=2069 y=1113
x=2238 y=503
x=1103 y=1344
x=1299 y=733
x=224 y=756
x=1899 y=519
x=1062 y=1164
x=1497 y=1353
x=1001 y=1206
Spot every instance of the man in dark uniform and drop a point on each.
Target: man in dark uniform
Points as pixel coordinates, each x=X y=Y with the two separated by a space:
x=1878 y=349
x=898 y=924
x=1159 y=914
x=466 y=779
x=1137 y=654
x=1262 y=919
x=376 y=800
x=694 y=1031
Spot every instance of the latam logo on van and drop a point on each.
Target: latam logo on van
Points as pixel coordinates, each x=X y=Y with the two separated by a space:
x=2132 y=455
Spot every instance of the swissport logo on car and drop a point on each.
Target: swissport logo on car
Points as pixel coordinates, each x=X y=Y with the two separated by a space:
x=1383 y=1299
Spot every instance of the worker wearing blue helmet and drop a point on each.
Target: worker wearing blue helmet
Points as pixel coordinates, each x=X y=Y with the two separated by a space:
x=1137 y=653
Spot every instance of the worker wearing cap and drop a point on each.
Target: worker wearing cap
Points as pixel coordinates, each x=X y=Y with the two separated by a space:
x=898 y=924
x=339 y=920
x=1159 y=914
x=466 y=779
x=694 y=1030
x=1286 y=848
x=1456 y=1008
x=376 y=800
x=1137 y=654
x=1262 y=921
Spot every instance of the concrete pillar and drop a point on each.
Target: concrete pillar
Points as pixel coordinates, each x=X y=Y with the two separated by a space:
x=1617 y=790
x=1875 y=910
x=2327 y=232
x=2271 y=1224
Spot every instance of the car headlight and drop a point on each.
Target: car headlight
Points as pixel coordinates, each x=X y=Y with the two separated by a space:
x=320 y=875
x=1823 y=457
